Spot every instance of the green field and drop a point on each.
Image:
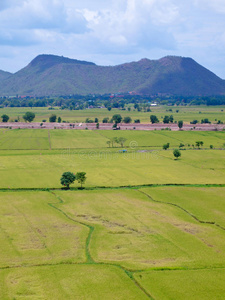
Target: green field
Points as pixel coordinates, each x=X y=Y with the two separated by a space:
x=42 y=139
x=146 y=226
x=186 y=113
x=112 y=243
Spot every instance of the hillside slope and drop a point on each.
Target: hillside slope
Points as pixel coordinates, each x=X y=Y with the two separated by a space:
x=4 y=75
x=54 y=75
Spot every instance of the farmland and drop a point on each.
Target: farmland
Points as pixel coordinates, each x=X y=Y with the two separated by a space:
x=185 y=113
x=146 y=226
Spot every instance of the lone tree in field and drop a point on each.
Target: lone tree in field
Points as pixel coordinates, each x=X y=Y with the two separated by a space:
x=5 y=118
x=127 y=120
x=81 y=177
x=166 y=146
x=52 y=118
x=176 y=153
x=180 y=124
x=67 y=179
x=29 y=116
x=154 y=119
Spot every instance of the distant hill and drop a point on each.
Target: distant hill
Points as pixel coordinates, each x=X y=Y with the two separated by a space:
x=56 y=75
x=4 y=75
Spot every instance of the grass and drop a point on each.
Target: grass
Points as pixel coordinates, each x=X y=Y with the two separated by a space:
x=68 y=282
x=184 y=285
x=41 y=139
x=23 y=139
x=209 y=207
x=44 y=170
x=186 y=113
x=158 y=242
x=77 y=242
x=138 y=233
x=34 y=233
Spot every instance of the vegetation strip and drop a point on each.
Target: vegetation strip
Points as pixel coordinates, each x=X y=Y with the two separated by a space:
x=113 y=188
x=89 y=259
x=186 y=211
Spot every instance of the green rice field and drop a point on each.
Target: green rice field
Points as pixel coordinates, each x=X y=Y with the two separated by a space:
x=145 y=226
x=185 y=113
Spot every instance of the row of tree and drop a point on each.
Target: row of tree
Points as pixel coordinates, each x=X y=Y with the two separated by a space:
x=138 y=102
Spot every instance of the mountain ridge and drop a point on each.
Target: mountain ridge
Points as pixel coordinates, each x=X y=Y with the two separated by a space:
x=51 y=75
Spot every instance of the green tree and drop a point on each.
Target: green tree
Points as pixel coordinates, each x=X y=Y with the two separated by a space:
x=96 y=120
x=121 y=141
x=52 y=118
x=166 y=119
x=105 y=120
x=199 y=143
x=166 y=146
x=108 y=143
x=29 y=116
x=154 y=119
x=181 y=145
x=81 y=177
x=171 y=118
x=59 y=120
x=117 y=118
x=67 y=179
x=97 y=125
x=180 y=124
x=127 y=120
x=5 y=118
x=114 y=140
x=176 y=153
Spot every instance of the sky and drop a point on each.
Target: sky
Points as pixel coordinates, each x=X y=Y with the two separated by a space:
x=112 y=32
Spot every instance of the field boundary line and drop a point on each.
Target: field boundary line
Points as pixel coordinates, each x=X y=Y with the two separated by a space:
x=186 y=211
x=89 y=259
x=207 y=185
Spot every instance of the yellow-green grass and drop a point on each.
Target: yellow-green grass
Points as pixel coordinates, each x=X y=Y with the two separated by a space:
x=24 y=139
x=184 y=285
x=132 y=230
x=80 y=282
x=208 y=205
x=112 y=244
x=186 y=113
x=77 y=139
x=33 y=233
x=113 y=169
x=42 y=139
x=159 y=138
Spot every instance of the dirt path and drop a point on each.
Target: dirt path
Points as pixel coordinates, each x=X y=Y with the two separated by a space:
x=108 y=126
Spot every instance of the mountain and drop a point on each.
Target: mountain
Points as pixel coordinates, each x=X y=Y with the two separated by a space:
x=55 y=75
x=4 y=75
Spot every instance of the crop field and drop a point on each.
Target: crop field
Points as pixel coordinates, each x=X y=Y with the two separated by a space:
x=185 y=113
x=42 y=139
x=145 y=226
x=43 y=170
x=123 y=243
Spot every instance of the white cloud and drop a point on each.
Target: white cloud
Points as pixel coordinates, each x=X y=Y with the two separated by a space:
x=113 y=31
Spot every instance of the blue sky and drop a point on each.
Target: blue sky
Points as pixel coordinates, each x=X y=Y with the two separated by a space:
x=111 y=32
